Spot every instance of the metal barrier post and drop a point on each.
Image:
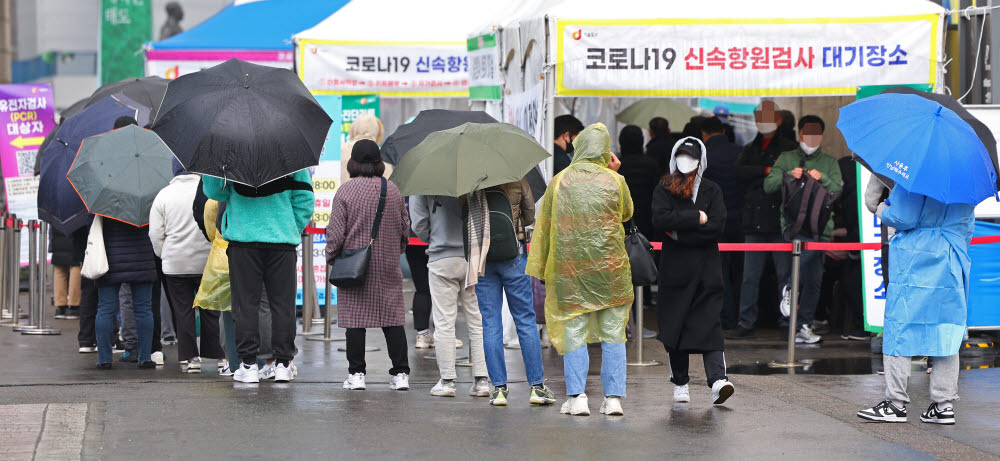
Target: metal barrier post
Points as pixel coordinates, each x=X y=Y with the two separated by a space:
x=328 y=318
x=793 y=316
x=4 y=274
x=637 y=334
x=32 y=279
x=308 y=285
x=42 y=279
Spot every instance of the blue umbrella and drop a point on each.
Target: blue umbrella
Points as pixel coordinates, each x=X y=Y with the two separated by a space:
x=920 y=145
x=58 y=203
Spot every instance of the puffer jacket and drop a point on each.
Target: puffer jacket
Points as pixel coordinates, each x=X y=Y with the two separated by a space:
x=366 y=126
x=130 y=254
x=173 y=230
x=522 y=205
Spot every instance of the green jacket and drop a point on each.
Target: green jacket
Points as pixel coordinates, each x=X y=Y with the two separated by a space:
x=831 y=180
x=278 y=218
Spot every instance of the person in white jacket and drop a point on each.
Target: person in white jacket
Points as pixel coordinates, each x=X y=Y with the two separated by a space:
x=179 y=242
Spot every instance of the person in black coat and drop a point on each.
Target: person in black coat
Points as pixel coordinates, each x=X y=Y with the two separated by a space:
x=690 y=215
x=130 y=260
x=761 y=211
x=67 y=260
x=661 y=142
x=641 y=175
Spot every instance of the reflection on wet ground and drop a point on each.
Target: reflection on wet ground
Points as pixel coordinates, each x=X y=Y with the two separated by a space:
x=852 y=365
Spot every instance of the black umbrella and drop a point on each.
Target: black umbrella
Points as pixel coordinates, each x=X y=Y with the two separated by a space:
x=426 y=122
x=74 y=109
x=984 y=133
x=243 y=122
x=147 y=91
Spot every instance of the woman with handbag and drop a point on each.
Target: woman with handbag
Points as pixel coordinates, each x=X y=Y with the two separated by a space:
x=690 y=215
x=368 y=231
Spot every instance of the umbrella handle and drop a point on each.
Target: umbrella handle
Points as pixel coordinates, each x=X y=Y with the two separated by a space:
x=225 y=180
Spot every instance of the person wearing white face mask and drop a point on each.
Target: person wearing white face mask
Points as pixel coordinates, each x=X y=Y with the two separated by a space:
x=690 y=215
x=807 y=160
x=761 y=211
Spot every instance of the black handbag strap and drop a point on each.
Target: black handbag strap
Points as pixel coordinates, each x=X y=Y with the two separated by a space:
x=381 y=209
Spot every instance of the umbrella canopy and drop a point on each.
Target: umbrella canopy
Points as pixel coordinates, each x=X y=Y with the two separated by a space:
x=147 y=91
x=641 y=112
x=242 y=122
x=920 y=145
x=119 y=173
x=58 y=203
x=407 y=137
x=984 y=133
x=468 y=157
x=75 y=108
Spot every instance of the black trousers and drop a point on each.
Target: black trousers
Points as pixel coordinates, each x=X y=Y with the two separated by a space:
x=395 y=338
x=715 y=366
x=181 y=291
x=87 y=337
x=252 y=270
x=416 y=258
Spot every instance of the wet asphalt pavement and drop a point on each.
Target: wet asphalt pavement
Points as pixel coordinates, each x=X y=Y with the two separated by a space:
x=128 y=414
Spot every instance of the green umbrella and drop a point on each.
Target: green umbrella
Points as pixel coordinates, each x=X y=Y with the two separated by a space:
x=645 y=110
x=119 y=173
x=468 y=157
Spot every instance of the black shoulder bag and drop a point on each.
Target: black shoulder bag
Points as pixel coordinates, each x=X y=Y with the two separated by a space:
x=350 y=267
x=640 y=256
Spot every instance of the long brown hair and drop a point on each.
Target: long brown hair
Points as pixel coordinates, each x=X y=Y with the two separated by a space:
x=678 y=184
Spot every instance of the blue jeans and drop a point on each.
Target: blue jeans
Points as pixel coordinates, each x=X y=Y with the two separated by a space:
x=509 y=276
x=107 y=306
x=577 y=363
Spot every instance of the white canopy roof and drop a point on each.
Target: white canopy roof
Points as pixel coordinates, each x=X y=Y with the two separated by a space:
x=737 y=9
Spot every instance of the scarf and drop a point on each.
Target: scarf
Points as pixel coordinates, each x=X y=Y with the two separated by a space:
x=479 y=238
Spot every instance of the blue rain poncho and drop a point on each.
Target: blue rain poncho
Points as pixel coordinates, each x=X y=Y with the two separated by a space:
x=929 y=269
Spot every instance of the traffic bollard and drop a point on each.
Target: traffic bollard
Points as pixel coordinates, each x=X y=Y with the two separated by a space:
x=42 y=278
x=794 y=307
x=637 y=334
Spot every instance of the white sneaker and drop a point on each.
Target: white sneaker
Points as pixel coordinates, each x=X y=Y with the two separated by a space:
x=722 y=390
x=247 y=374
x=576 y=406
x=193 y=366
x=458 y=343
x=295 y=369
x=480 y=388
x=681 y=394
x=88 y=349
x=786 y=301
x=225 y=371
x=157 y=357
x=400 y=382
x=268 y=371
x=544 y=337
x=612 y=406
x=805 y=335
x=425 y=341
x=283 y=374
x=355 y=382
x=443 y=389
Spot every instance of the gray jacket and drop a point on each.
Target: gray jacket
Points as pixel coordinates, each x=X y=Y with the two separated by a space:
x=437 y=220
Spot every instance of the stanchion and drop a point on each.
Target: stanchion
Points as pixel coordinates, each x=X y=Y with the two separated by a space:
x=793 y=316
x=637 y=334
x=328 y=318
x=4 y=274
x=32 y=279
x=308 y=285
x=42 y=279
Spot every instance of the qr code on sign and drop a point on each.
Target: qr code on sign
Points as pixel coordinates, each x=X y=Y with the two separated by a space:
x=26 y=162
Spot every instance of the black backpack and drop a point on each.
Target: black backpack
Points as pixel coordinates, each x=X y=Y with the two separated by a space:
x=807 y=205
x=504 y=244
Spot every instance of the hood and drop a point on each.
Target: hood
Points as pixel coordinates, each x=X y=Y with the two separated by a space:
x=702 y=165
x=186 y=178
x=593 y=145
x=367 y=126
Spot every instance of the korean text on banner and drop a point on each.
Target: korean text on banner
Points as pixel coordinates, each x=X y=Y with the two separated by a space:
x=27 y=114
x=353 y=107
x=484 y=68
x=389 y=69
x=319 y=270
x=125 y=26
x=524 y=110
x=752 y=57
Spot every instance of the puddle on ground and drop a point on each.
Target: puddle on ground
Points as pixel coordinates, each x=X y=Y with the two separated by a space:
x=851 y=366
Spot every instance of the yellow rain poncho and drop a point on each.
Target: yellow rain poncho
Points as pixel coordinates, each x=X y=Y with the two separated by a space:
x=214 y=293
x=578 y=248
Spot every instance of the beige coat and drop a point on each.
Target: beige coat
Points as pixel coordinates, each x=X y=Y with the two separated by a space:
x=366 y=126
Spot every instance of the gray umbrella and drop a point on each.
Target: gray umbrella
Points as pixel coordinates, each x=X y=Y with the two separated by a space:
x=119 y=173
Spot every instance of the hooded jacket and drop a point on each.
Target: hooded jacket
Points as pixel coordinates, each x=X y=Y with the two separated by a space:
x=175 y=235
x=275 y=220
x=437 y=220
x=578 y=249
x=366 y=126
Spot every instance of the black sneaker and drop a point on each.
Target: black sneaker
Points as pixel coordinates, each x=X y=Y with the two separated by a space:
x=935 y=415
x=60 y=312
x=148 y=364
x=741 y=333
x=129 y=356
x=72 y=313
x=885 y=412
x=104 y=366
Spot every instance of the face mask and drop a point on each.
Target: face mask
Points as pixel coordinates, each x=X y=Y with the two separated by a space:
x=808 y=150
x=686 y=163
x=766 y=128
